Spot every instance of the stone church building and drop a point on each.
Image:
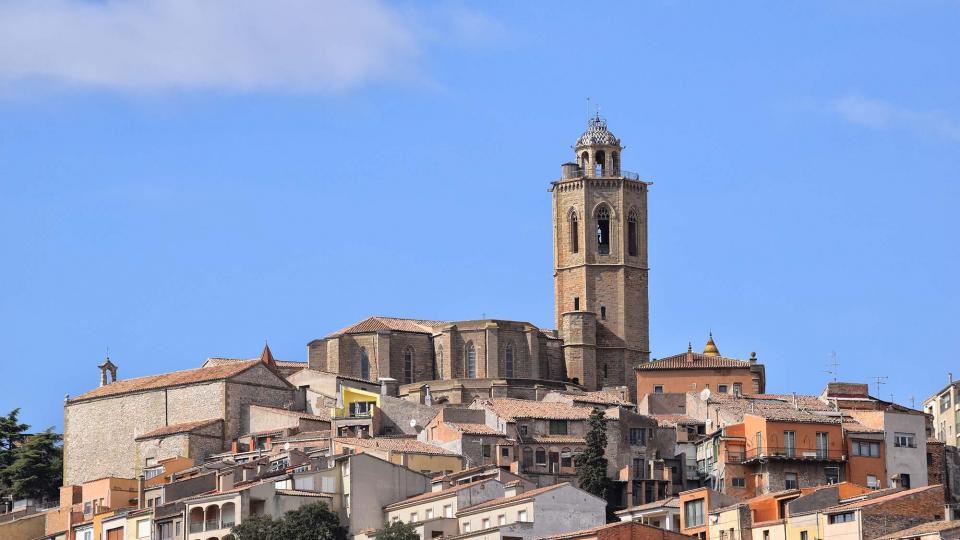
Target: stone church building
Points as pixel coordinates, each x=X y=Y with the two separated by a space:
x=601 y=304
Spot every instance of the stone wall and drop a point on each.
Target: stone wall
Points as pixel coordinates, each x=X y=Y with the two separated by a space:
x=902 y=513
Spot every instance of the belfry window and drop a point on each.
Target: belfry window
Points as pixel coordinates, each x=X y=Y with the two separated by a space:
x=471 y=361
x=603 y=231
x=408 y=366
x=574 y=233
x=508 y=361
x=364 y=364
x=632 y=235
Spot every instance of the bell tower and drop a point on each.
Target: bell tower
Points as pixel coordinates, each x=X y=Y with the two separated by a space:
x=600 y=263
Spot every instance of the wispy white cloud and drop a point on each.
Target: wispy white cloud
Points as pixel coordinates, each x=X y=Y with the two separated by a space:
x=232 y=45
x=879 y=114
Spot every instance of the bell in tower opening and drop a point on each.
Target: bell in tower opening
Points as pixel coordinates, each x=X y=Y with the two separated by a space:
x=600 y=279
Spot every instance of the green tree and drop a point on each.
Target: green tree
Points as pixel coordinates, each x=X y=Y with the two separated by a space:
x=36 y=468
x=591 y=463
x=397 y=530
x=309 y=522
x=12 y=433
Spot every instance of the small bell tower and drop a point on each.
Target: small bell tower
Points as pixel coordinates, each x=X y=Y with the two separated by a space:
x=600 y=262
x=107 y=367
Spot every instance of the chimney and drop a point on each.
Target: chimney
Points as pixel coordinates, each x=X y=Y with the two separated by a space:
x=225 y=481
x=795 y=404
x=753 y=358
x=950 y=376
x=513 y=489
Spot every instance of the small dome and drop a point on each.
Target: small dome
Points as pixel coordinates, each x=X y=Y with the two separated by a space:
x=597 y=133
x=711 y=348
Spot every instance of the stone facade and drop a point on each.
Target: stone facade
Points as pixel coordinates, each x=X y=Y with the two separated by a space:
x=100 y=432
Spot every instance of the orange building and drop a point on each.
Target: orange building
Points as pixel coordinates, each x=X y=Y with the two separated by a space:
x=690 y=371
x=79 y=504
x=695 y=505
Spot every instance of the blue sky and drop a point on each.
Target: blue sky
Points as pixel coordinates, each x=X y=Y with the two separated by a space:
x=180 y=180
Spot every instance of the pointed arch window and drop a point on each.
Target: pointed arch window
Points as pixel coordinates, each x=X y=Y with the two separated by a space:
x=438 y=369
x=603 y=230
x=632 y=238
x=545 y=369
x=471 y=354
x=574 y=232
x=364 y=364
x=508 y=361
x=408 y=365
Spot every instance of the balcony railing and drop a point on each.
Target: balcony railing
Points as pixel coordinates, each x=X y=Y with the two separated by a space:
x=196 y=527
x=792 y=453
x=736 y=456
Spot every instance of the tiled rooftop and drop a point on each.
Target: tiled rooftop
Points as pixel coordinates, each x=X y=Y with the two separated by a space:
x=431 y=495
x=510 y=500
x=882 y=499
x=923 y=529
x=173 y=429
x=407 y=445
x=175 y=378
x=692 y=360
x=396 y=324
x=222 y=361
x=474 y=429
x=510 y=409
x=675 y=419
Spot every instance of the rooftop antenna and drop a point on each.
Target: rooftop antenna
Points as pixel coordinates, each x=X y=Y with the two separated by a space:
x=879 y=379
x=913 y=402
x=834 y=370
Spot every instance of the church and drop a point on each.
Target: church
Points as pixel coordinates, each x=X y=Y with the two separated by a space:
x=601 y=305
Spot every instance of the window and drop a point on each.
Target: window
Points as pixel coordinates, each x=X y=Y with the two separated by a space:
x=502 y=519
x=738 y=482
x=576 y=303
x=522 y=515
x=845 y=517
x=466 y=526
x=866 y=448
x=723 y=389
x=766 y=535
x=873 y=482
x=790 y=480
x=693 y=513
x=574 y=232
x=605 y=374
x=523 y=429
x=471 y=361
x=143 y=528
x=737 y=389
x=632 y=234
x=658 y=389
x=428 y=513
x=904 y=481
x=88 y=535
x=486 y=450
x=448 y=510
x=603 y=313
x=414 y=517
x=790 y=443
x=364 y=364
x=541 y=456
x=566 y=458
x=485 y=523
x=823 y=445
x=152 y=473
x=603 y=231
x=408 y=365
x=723 y=535
x=508 y=361
x=803 y=535
x=832 y=475
x=638 y=436
x=904 y=440
x=505 y=452
x=527 y=457
x=944 y=402
x=439 y=371
x=558 y=427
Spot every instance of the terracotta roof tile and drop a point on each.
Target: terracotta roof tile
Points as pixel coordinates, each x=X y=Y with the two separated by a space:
x=510 y=409
x=406 y=445
x=692 y=360
x=175 y=378
x=474 y=429
x=512 y=499
x=431 y=495
x=222 y=361
x=185 y=427
x=374 y=324
x=555 y=439
x=303 y=493
x=881 y=499
x=923 y=529
x=598 y=397
x=674 y=419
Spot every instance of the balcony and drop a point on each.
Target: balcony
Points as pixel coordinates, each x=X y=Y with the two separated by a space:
x=772 y=453
x=735 y=456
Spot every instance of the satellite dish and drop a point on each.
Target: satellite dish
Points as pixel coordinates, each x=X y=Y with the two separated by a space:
x=413 y=423
x=705 y=394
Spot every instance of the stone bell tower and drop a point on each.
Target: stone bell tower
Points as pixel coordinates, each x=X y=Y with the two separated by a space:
x=600 y=263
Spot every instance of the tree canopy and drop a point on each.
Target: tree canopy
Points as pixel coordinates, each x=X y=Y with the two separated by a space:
x=397 y=530
x=31 y=466
x=309 y=522
x=591 y=463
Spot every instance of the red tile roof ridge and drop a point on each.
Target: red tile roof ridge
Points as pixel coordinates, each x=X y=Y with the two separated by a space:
x=511 y=499
x=396 y=324
x=693 y=360
x=512 y=408
x=472 y=428
x=182 y=377
x=882 y=498
x=924 y=528
x=430 y=495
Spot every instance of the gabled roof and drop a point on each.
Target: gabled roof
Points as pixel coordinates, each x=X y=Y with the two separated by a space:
x=174 y=429
x=223 y=361
x=406 y=445
x=675 y=419
x=512 y=499
x=175 y=378
x=873 y=501
x=431 y=495
x=669 y=502
x=693 y=360
x=295 y=414
x=474 y=429
x=923 y=529
x=510 y=409
x=395 y=324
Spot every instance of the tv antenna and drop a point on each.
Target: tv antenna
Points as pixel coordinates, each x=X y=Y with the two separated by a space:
x=834 y=370
x=879 y=380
